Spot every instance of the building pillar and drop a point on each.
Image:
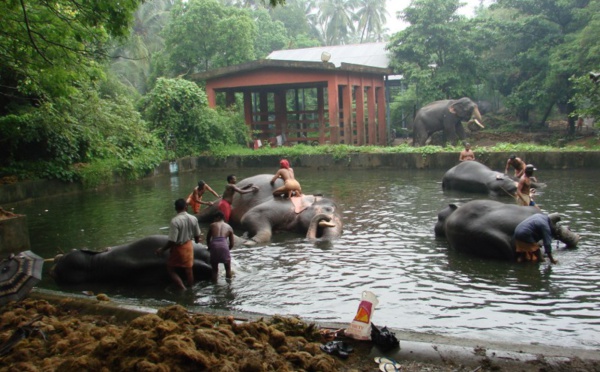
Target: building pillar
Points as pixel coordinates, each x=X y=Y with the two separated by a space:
x=347 y=112
x=280 y=112
x=248 y=117
x=321 y=110
x=371 y=115
x=334 y=111
x=381 y=116
x=360 y=114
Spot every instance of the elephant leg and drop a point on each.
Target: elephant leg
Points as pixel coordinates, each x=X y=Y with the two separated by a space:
x=261 y=236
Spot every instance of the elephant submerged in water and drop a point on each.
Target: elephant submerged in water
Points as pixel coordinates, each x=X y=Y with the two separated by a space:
x=474 y=177
x=260 y=213
x=485 y=228
x=131 y=263
x=446 y=116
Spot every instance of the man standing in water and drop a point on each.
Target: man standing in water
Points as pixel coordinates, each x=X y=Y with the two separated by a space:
x=230 y=190
x=195 y=198
x=184 y=227
x=517 y=164
x=220 y=241
x=524 y=186
x=290 y=185
x=466 y=154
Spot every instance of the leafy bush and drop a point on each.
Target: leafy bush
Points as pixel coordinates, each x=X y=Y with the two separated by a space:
x=178 y=113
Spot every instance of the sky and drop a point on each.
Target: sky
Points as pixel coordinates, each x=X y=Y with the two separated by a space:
x=394 y=6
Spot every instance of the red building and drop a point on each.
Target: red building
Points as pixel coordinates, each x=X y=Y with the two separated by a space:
x=332 y=94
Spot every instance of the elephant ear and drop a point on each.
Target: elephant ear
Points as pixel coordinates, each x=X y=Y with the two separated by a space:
x=453 y=207
x=462 y=107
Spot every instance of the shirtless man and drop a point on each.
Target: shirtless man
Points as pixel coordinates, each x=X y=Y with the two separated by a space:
x=195 y=198
x=517 y=164
x=230 y=190
x=290 y=185
x=467 y=154
x=220 y=241
x=524 y=186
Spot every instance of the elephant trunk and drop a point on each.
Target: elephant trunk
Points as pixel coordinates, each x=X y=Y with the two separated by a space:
x=567 y=236
x=324 y=226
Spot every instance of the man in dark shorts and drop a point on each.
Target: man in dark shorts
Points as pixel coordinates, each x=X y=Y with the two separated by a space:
x=184 y=227
x=220 y=241
x=230 y=190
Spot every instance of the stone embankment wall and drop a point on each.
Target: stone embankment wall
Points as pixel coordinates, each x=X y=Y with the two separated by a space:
x=496 y=161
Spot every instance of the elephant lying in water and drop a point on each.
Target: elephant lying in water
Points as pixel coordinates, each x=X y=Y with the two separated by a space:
x=260 y=214
x=131 y=263
x=485 y=228
x=474 y=177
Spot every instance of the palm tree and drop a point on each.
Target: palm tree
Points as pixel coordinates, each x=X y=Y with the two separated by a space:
x=371 y=17
x=132 y=61
x=336 y=18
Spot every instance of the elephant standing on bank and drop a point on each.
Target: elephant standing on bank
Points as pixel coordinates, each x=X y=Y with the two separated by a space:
x=446 y=116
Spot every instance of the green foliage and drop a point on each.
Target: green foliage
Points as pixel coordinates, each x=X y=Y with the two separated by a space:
x=46 y=48
x=436 y=53
x=58 y=139
x=271 y=34
x=178 y=114
x=204 y=34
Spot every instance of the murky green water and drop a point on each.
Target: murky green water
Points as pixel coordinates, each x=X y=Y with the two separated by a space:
x=388 y=247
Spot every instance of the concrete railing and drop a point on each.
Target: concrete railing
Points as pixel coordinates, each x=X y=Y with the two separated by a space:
x=497 y=160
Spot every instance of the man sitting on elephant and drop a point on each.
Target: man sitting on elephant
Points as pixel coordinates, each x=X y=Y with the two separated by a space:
x=290 y=185
x=530 y=231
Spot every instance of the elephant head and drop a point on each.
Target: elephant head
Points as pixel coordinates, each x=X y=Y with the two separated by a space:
x=324 y=226
x=465 y=109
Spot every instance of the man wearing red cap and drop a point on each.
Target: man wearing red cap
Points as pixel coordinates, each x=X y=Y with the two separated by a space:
x=290 y=185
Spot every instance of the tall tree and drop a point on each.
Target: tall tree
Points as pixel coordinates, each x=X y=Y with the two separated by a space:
x=204 y=34
x=536 y=61
x=337 y=19
x=371 y=15
x=435 y=53
x=132 y=59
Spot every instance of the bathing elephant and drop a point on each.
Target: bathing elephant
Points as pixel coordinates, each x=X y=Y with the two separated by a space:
x=474 y=177
x=131 y=263
x=485 y=228
x=446 y=116
x=260 y=214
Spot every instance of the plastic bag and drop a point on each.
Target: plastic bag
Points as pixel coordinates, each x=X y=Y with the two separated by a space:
x=360 y=328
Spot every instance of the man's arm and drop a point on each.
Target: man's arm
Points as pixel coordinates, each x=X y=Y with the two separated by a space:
x=212 y=191
x=231 y=238
x=547 y=240
x=245 y=191
x=275 y=177
x=167 y=246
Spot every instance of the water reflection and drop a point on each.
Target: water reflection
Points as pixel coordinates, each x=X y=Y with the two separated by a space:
x=387 y=247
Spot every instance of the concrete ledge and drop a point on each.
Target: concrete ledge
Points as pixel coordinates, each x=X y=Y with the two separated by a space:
x=401 y=161
x=414 y=346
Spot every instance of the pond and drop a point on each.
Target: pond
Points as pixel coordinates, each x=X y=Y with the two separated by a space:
x=388 y=247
